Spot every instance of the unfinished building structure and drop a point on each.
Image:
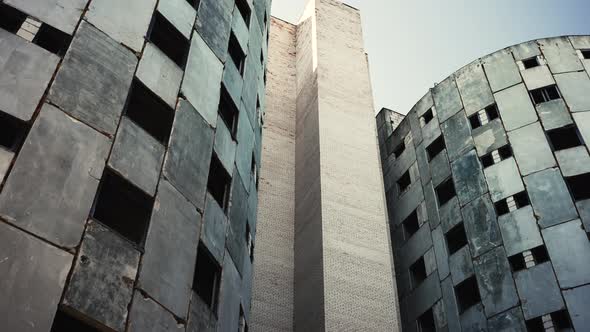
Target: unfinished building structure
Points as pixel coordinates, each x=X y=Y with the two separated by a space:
x=487 y=184
x=322 y=250
x=130 y=136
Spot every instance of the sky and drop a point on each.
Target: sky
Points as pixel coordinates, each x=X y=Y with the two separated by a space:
x=413 y=44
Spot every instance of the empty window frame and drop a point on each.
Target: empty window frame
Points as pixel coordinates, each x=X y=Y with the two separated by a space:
x=445 y=191
x=496 y=156
x=207 y=278
x=492 y=112
x=564 y=138
x=436 y=147
x=585 y=54
x=512 y=203
x=399 y=150
x=52 y=39
x=474 y=121
x=228 y=111
x=411 y=225
x=540 y=254
x=12 y=131
x=545 y=94
x=427 y=117
x=530 y=63
x=65 y=322
x=168 y=39
x=579 y=186
x=149 y=112
x=417 y=272
x=467 y=294
x=517 y=262
x=11 y=19
x=456 y=238
x=123 y=207
x=404 y=182
x=236 y=53
x=219 y=182
x=244 y=9
x=561 y=320
x=425 y=322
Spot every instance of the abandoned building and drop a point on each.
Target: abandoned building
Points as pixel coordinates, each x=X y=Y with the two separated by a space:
x=487 y=183
x=130 y=136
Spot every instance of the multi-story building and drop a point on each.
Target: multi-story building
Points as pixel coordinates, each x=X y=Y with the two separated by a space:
x=130 y=136
x=487 y=183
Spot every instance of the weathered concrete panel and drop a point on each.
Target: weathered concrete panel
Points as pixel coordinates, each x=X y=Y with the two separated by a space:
x=457 y=135
x=147 y=315
x=447 y=99
x=474 y=88
x=503 y=179
x=430 y=132
x=214 y=24
x=180 y=13
x=560 y=55
x=550 y=197
x=501 y=70
x=61 y=14
x=441 y=252
x=415 y=248
x=461 y=265
x=229 y=295
x=450 y=301
x=489 y=137
x=422 y=299
x=159 y=73
x=61 y=158
x=584 y=210
x=245 y=149
x=531 y=150
x=578 y=301
x=573 y=161
x=515 y=107
x=525 y=50
x=225 y=146
x=474 y=319
x=233 y=81
x=440 y=167
x=554 y=114
x=468 y=176
x=201 y=319
x=5 y=162
x=450 y=214
x=480 y=225
x=34 y=276
x=574 y=88
x=537 y=77
x=407 y=203
x=520 y=231
x=214 y=228
x=508 y=321
x=431 y=205
x=238 y=214
x=94 y=79
x=240 y=29
x=583 y=123
x=538 y=291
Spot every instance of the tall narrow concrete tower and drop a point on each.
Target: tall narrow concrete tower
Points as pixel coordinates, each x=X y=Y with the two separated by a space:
x=323 y=262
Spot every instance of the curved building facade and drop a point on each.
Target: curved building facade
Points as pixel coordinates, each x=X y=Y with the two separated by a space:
x=487 y=184
x=130 y=146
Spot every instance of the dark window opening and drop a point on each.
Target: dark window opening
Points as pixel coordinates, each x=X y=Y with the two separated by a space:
x=456 y=238
x=517 y=262
x=219 y=182
x=207 y=278
x=564 y=138
x=501 y=207
x=399 y=150
x=254 y=171
x=194 y=3
x=244 y=9
x=579 y=186
x=426 y=322
x=404 y=182
x=12 y=131
x=561 y=320
x=535 y=325
x=428 y=116
x=243 y=325
x=545 y=94
x=168 y=39
x=123 y=207
x=521 y=199
x=540 y=254
x=228 y=111
x=530 y=63
x=417 y=272
x=492 y=112
x=149 y=112
x=435 y=147
x=11 y=19
x=474 y=121
x=487 y=160
x=262 y=59
x=467 y=294
x=236 y=53
x=411 y=225
x=265 y=19
x=445 y=191
x=250 y=243
x=64 y=322
x=52 y=39
x=586 y=54
x=505 y=152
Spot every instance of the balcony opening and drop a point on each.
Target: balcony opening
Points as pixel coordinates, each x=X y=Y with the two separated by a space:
x=435 y=147
x=456 y=238
x=445 y=191
x=404 y=182
x=585 y=54
x=535 y=325
x=244 y=9
x=561 y=320
x=228 y=111
x=505 y=152
x=467 y=294
x=474 y=121
x=492 y=112
x=428 y=116
x=123 y=207
x=207 y=278
x=487 y=160
x=149 y=112
x=545 y=94
x=12 y=131
x=236 y=54
x=219 y=183
x=399 y=150
x=564 y=138
x=65 y=322
x=11 y=19
x=579 y=186
x=411 y=225
x=426 y=322
x=530 y=63
x=168 y=39
x=517 y=262
x=52 y=39
x=540 y=254
x=521 y=199
x=501 y=207
x=417 y=272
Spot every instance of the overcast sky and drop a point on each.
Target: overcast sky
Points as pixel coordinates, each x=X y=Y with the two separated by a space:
x=414 y=43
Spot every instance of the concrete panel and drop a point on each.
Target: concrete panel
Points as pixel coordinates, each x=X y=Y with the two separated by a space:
x=501 y=70
x=474 y=88
x=25 y=71
x=525 y=50
x=574 y=88
x=430 y=132
x=571 y=258
x=457 y=135
x=515 y=107
x=431 y=205
x=489 y=137
x=214 y=228
x=580 y=42
x=450 y=301
x=202 y=68
x=584 y=210
x=180 y=13
x=240 y=29
x=214 y=24
x=34 y=276
x=101 y=284
x=531 y=150
x=229 y=295
x=61 y=14
x=480 y=225
x=111 y=16
x=61 y=158
x=583 y=123
x=424 y=104
x=508 y=321
x=447 y=99
x=573 y=161
x=474 y=319
x=137 y=156
x=201 y=319
x=423 y=165
x=160 y=74
x=554 y=114
x=578 y=301
x=187 y=163
x=538 y=291
x=468 y=177
x=519 y=231
x=450 y=214
x=94 y=79
x=238 y=214
x=5 y=162
x=147 y=315
x=461 y=265
x=503 y=179
x=415 y=247
x=441 y=252
x=171 y=250
x=495 y=282
x=537 y=77
x=422 y=299
x=245 y=148
x=440 y=167
x=225 y=146
x=550 y=197
x=233 y=81
x=560 y=55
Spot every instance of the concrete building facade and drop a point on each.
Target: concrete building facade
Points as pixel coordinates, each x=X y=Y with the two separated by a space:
x=487 y=185
x=323 y=260
x=130 y=148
